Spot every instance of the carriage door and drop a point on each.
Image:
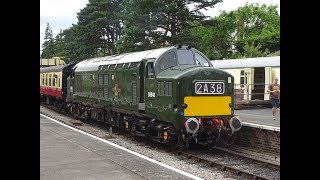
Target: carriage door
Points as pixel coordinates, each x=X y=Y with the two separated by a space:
x=268 y=80
x=248 y=84
x=259 y=79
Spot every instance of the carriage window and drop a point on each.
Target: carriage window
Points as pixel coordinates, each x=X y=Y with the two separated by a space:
x=185 y=56
x=49 y=79
x=150 y=70
x=169 y=60
x=45 y=79
x=242 y=78
x=54 y=80
x=200 y=60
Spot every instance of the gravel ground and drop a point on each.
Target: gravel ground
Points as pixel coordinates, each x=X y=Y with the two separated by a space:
x=178 y=162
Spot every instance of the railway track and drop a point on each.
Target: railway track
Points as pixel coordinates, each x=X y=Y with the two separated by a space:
x=194 y=155
x=222 y=166
x=263 y=163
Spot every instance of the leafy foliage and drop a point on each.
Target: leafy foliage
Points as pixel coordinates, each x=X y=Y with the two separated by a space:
x=48 y=45
x=156 y=23
x=256 y=27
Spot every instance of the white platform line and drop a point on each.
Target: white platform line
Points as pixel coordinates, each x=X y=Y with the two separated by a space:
x=132 y=152
x=272 y=128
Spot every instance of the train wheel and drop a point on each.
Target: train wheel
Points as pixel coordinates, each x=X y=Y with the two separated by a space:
x=183 y=140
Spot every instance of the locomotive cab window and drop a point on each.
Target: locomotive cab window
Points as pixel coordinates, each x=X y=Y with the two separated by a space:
x=150 y=70
x=185 y=57
x=200 y=60
x=167 y=61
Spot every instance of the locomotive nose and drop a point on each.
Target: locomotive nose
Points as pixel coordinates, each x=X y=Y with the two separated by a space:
x=235 y=123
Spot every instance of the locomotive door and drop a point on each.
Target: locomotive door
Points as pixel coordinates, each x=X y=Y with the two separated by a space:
x=141 y=105
x=150 y=85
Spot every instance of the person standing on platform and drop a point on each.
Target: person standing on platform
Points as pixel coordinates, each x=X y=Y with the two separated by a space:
x=274 y=90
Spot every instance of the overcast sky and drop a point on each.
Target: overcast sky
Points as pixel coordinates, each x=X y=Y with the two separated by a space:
x=61 y=14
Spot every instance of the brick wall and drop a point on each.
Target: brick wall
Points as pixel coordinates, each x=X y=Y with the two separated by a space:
x=263 y=140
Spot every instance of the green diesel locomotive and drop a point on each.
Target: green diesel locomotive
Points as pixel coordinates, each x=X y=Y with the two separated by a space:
x=171 y=95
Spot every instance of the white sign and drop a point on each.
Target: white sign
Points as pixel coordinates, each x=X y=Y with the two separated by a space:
x=151 y=94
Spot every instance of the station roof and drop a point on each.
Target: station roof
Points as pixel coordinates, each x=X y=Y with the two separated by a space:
x=273 y=61
x=95 y=63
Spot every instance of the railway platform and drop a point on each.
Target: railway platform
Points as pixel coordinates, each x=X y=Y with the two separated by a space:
x=72 y=154
x=259 y=118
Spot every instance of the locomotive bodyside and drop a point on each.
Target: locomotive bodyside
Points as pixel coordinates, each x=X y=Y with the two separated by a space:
x=170 y=94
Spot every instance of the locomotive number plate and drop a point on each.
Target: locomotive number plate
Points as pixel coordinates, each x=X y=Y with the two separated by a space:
x=209 y=87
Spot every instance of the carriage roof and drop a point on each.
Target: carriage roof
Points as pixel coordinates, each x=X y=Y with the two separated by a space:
x=273 y=61
x=52 y=68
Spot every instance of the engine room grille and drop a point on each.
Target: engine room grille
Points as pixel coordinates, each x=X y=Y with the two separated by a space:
x=78 y=84
x=105 y=92
x=164 y=88
x=134 y=92
x=103 y=79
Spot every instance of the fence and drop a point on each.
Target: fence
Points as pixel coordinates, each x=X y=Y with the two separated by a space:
x=251 y=94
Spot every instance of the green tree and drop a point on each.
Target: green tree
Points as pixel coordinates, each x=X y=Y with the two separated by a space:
x=99 y=25
x=73 y=44
x=155 y=23
x=59 y=44
x=250 y=51
x=48 y=46
x=258 y=25
x=227 y=35
x=107 y=27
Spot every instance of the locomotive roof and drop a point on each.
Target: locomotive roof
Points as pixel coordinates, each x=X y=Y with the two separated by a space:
x=273 y=61
x=93 y=64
